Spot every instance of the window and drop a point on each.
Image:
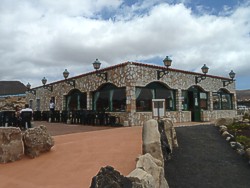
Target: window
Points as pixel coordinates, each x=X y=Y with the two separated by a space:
x=31 y=104
x=76 y=100
x=144 y=96
x=203 y=101
x=222 y=100
x=38 y=104
x=184 y=100
x=110 y=98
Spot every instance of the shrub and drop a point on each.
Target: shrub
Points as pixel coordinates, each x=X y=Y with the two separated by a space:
x=243 y=140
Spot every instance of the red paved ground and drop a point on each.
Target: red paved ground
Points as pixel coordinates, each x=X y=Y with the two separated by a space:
x=75 y=158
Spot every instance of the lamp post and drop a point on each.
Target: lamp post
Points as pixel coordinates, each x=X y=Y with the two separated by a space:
x=97 y=65
x=28 y=86
x=49 y=87
x=227 y=82
x=204 y=70
x=167 y=62
x=70 y=82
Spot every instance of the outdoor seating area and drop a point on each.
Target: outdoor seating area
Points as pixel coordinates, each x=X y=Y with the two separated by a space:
x=82 y=117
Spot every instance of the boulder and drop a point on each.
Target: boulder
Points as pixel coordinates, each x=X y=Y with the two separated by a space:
x=36 y=141
x=246 y=121
x=141 y=179
x=222 y=128
x=225 y=134
x=110 y=178
x=170 y=133
x=11 y=144
x=248 y=153
x=151 y=139
x=149 y=164
x=224 y=121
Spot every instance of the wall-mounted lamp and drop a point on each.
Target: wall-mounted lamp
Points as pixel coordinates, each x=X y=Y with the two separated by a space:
x=97 y=65
x=70 y=82
x=30 y=90
x=227 y=82
x=49 y=87
x=167 y=62
x=204 y=69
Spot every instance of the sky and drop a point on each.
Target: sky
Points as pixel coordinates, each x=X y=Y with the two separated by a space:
x=42 y=38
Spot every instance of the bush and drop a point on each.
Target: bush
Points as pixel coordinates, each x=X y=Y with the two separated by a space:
x=243 y=140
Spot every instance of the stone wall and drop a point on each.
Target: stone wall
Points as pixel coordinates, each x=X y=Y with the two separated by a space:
x=10 y=102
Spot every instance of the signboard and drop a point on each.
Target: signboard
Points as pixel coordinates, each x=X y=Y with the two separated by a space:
x=158 y=106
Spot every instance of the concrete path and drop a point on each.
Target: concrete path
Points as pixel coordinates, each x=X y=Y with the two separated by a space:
x=75 y=159
x=205 y=160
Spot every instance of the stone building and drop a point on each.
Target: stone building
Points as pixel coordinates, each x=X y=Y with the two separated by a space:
x=135 y=92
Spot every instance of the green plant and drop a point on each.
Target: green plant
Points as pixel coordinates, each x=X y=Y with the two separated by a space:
x=238 y=126
x=243 y=140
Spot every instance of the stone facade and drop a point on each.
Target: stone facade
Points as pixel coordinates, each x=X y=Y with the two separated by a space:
x=131 y=75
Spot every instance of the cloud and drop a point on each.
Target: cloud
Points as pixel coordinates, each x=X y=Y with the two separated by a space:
x=42 y=38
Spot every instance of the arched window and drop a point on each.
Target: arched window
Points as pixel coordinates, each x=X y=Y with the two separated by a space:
x=109 y=98
x=76 y=100
x=222 y=100
x=155 y=90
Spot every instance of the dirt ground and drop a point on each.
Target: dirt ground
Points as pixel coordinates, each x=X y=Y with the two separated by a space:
x=79 y=153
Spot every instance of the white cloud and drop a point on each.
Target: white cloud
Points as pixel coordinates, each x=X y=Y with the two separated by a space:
x=43 y=37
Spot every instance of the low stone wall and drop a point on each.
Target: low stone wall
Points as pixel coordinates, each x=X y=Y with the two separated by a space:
x=216 y=114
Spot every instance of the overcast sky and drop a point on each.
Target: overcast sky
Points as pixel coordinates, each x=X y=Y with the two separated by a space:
x=43 y=37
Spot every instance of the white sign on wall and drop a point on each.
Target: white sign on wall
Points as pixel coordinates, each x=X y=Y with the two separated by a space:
x=158 y=106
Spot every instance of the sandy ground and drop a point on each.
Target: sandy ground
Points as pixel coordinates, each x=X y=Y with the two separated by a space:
x=75 y=159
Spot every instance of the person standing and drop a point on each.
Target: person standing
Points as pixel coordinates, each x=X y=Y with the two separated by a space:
x=26 y=115
x=52 y=109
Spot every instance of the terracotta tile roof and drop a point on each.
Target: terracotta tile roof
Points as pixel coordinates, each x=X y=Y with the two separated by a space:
x=12 y=88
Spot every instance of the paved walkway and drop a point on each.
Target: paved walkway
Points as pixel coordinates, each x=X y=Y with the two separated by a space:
x=205 y=160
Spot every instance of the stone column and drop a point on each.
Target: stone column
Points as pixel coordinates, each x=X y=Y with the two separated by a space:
x=179 y=100
x=89 y=100
x=234 y=101
x=210 y=101
x=130 y=104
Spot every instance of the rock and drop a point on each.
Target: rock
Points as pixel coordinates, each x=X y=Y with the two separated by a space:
x=224 y=121
x=232 y=144
x=246 y=121
x=141 y=179
x=165 y=146
x=151 y=140
x=148 y=164
x=11 y=144
x=36 y=141
x=225 y=134
x=222 y=128
x=240 y=151
x=248 y=153
x=170 y=133
x=108 y=177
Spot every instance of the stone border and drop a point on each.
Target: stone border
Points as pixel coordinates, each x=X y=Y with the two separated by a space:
x=222 y=124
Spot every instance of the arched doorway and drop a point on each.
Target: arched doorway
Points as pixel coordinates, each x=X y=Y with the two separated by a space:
x=197 y=101
x=76 y=100
x=154 y=90
x=110 y=98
